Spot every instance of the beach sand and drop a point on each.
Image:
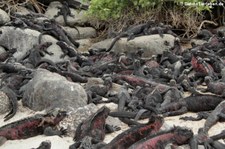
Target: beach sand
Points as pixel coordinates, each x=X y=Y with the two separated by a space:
x=64 y=142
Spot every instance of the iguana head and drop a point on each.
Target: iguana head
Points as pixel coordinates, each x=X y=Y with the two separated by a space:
x=58 y=115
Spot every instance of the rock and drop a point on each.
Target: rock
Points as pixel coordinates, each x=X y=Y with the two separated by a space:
x=200 y=147
x=22 y=40
x=170 y=146
x=112 y=106
x=4 y=17
x=85 y=32
x=198 y=41
x=79 y=16
x=2 y=50
x=50 y=90
x=94 y=81
x=57 y=52
x=152 y=44
x=85 y=44
x=5 y=104
x=102 y=44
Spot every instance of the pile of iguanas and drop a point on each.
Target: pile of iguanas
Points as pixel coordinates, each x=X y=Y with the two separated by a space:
x=150 y=88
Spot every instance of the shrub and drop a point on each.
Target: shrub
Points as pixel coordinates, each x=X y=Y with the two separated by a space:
x=108 y=9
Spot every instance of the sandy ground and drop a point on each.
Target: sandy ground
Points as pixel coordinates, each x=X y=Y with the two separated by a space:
x=65 y=142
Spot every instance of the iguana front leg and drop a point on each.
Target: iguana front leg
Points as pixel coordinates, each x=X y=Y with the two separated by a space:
x=49 y=120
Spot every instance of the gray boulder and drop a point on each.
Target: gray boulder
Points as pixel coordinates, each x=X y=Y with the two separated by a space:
x=152 y=44
x=85 y=32
x=50 y=90
x=102 y=44
x=79 y=17
x=22 y=40
x=85 y=44
x=4 y=17
x=2 y=50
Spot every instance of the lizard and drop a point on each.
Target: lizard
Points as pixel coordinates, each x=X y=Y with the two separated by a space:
x=13 y=101
x=5 y=55
x=217 y=88
x=65 y=11
x=132 y=32
x=33 y=126
x=67 y=50
x=135 y=80
x=136 y=133
x=176 y=135
x=44 y=145
x=35 y=54
x=202 y=138
x=212 y=141
x=192 y=104
x=217 y=114
x=51 y=27
x=93 y=127
x=72 y=3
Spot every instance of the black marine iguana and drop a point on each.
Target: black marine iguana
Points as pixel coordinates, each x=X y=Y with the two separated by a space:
x=132 y=32
x=65 y=11
x=13 y=101
x=192 y=103
x=94 y=128
x=44 y=145
x=217 y=88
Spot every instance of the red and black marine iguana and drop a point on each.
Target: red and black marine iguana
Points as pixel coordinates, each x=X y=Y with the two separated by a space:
x=33 y=126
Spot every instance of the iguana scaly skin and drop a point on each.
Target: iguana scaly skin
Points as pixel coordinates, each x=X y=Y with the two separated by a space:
x=192 y=104
x=33 y=126
x=177 y=135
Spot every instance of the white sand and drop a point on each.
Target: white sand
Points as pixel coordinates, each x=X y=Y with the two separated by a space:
x=65 y=142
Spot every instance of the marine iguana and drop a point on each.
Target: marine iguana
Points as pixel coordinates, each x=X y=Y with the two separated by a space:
x=33 y=126
x=217 y=88
x=13 y=101
x=65 y=11
x=7 y=54
x=52 y=28
x=136 y=133
x=67 y=50
x=94 y=128
x=217 y=114
x=44 y=145
x=35 y=54
x=132 y=32
x=176 y=135
x=192 y=103
x=72 y=3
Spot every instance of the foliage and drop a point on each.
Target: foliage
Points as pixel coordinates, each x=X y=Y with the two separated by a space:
x=108 y=9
